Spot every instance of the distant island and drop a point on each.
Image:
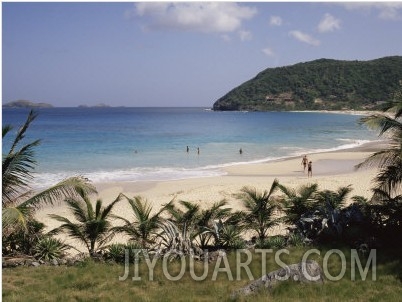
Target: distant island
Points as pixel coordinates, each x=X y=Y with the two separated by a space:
x=30 y=104
x=322 y=84
x=26 y=104
x=101 y=105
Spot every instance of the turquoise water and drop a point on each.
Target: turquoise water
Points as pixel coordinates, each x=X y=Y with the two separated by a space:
x=133 y=144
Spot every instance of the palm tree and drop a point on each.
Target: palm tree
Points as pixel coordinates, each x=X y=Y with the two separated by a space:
x=298 y=202
x=144 y=225
x=390 y=208
x=201 y=226
x=388 y=160
x=207 y=220
x=93 y=227
x=186 y=218
x=17 y=164
x=334 y=199
x=330 y=209
x=230 y=237
x=19 y=202
x=260 y=209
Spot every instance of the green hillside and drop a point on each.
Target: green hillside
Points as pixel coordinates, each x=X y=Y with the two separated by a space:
x=322 y=84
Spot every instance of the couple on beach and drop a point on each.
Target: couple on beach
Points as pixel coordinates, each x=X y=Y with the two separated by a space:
x=306 y=163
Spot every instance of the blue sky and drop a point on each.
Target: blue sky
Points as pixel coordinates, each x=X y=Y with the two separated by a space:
x=177 y=54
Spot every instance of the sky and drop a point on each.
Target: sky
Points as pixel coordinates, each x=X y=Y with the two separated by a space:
x=183 y=54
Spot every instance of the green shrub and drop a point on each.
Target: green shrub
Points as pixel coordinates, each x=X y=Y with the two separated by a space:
x=117 y=251
x=274 y=242
x=49 y=248
x=277 y=242
x=295 y=239
x=238 y=244
x=230 y=237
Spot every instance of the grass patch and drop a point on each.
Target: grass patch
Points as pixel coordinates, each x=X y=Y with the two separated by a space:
x=100 y=281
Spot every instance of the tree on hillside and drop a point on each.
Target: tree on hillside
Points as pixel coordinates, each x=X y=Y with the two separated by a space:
x=19 y=201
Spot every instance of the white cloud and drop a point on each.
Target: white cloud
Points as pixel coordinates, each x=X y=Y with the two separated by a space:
x=268 y=52
x=329 y=23
x=275 y=21
x=385 y=10
x=303 y=37
x=207 y=17
x=245 y=35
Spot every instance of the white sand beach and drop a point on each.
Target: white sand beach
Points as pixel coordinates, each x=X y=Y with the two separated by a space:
x=331 y=170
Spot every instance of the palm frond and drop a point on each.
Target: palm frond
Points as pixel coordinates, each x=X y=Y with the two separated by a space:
x=72 y=187
x=78 y=209
x=141 y=208
x=307 y=192
x=73 y=230
x=60 y=218
x=382 y=123
x=17 y=165
x=260 y=209
x=191 y=213
x=93 y=229
x=106 y=238
x=16 y=172
x=165 y=207
x=173 y=210
x=15 y=217
x=388 y=160
x=380 y=158
x=390 y=178
x=21 y=132
x=106 y=211
x=216 y=211
x=342 y=193
x=274 y=187
x=328 y=197
x=289 y=192
x=144 y=225
x=6 y=130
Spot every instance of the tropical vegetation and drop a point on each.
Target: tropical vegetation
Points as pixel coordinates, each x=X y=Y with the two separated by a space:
x=260 y=210
x=387 y=191
x=20 y=230
x=93 y=227
x=144 y=226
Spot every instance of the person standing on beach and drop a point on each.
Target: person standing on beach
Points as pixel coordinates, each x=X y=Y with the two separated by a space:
x=304 y=163
x=188 y=149
x=310 y=169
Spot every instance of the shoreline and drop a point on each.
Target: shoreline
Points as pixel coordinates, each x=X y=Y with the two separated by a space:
x=128 y=177
x=347 y=157
x=349 y=111
x=331 y=170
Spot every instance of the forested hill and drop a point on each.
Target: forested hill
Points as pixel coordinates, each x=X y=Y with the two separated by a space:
x=318 y=85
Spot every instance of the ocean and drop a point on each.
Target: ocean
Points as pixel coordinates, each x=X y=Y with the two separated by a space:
x=144 y=144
